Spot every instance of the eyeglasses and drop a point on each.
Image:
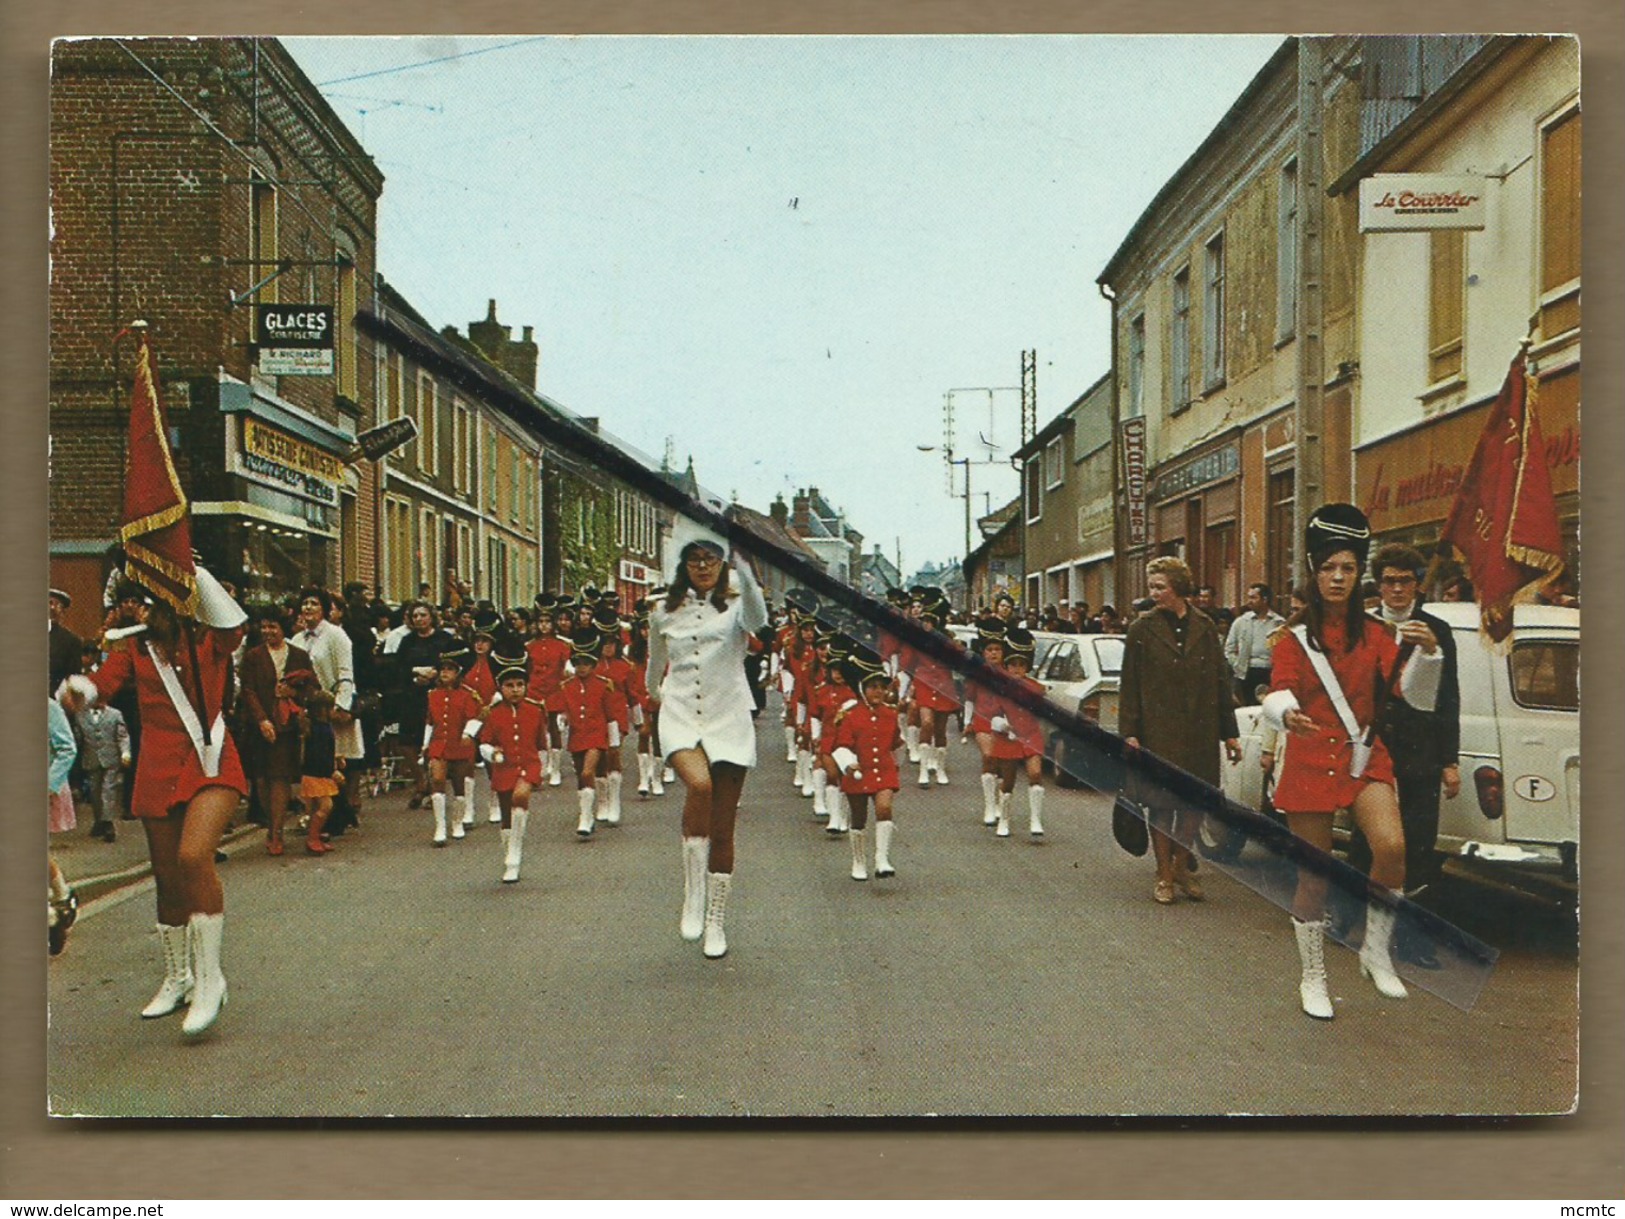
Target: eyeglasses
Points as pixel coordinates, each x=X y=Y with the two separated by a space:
x=702 y=561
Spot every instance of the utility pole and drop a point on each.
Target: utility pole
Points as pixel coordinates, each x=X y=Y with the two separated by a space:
x=1029 y=394
x=1309 y=418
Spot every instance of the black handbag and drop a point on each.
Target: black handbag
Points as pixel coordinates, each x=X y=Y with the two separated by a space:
x=1128 y=826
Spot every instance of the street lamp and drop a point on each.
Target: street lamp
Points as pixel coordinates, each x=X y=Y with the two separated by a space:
x=951 y=460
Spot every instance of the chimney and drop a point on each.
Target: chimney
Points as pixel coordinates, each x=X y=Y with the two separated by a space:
x=780 y=512
x=801 y=515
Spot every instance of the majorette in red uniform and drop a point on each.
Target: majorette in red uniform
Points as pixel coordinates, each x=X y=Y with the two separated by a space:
x=980 y=707
x=453 y=715
x=827 y=701
x=549 y=657
x=616 y=669
x=511 y=741
x=651 y=780
x=1018 y=735
x=481 y=678
x=930 y=685
x=799 y=652
x=595 y=714
x=184 y=754
x=867 y=736
x=1323 y=769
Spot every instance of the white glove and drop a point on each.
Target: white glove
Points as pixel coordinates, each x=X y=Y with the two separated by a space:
x=491 y=754
x=428 y=735
x=999 y=724
x=845 y=759
x=637 y=715
x=77 y=686
x=817 y=730
x=614 y=735
x=215 y=606
x=472 y=729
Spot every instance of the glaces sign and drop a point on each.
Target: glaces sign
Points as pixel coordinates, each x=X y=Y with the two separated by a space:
x=294 y=340
x=1416 y=203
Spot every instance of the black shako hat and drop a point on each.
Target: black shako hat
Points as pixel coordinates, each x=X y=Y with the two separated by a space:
x=511 y=666
x=1019 y=641
x=1334 y=527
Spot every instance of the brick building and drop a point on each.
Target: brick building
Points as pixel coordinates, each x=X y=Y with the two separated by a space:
x=191 y=180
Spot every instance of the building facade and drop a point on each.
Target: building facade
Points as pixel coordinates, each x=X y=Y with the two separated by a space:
x=194 y=181
x=462 y=502
x=1067 y=514
x=1208 y=297
x=1442 y=313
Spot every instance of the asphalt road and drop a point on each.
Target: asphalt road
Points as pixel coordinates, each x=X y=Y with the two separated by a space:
x=989 y=977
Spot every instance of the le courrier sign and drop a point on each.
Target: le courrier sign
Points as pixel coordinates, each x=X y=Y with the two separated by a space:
x=1419 y=203
x=294 y=340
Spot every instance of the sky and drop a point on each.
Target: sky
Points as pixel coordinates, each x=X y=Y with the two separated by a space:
x=785 y=257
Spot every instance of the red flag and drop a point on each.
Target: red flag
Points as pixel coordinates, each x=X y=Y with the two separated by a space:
x=1504 y=520
x=157 y=531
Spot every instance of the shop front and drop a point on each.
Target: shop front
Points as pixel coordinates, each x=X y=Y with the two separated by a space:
x=1408 y=483
x=286 y=493
x=1196 y=510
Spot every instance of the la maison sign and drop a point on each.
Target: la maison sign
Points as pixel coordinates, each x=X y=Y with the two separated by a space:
x=1418 y=203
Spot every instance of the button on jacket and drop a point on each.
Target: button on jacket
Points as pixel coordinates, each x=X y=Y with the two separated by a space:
x=697 y=671
x=871 y=733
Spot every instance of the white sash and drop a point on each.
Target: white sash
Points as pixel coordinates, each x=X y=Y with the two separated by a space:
x=1328 y=679
x=208 y=755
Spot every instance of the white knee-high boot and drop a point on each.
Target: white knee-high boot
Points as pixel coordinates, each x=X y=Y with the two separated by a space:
x=643 y=774
x=939 y=760
x=911 y=738
x=657 y=784
x=467 y=819
x=614 y=781
x=209 y=988
x=507 y=836
x=485 y=797
x=789 y=743
x=840 y=812
x=585 y=797
x=805 y=757
x=696 y=854
x=438 y=803
x=1376 y=961
x=176 y=989
x=555 y=762
x=515 y=855
x=717 y=885
x=860 y=854
x=883 y=836
x=600 y=799
x=990 y=798
x=820 y=786
x=1312 y=956
x=1035 y=811
x=1003 y=830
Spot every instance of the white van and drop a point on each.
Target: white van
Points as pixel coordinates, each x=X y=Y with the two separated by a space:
x=1519 y=803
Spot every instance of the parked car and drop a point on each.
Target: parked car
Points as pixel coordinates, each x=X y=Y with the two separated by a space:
x=1519 y=804
x=1081 y=674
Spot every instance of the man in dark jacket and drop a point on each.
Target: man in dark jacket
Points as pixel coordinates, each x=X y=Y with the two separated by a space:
x=1423 y=744
x=414 y=665
x=65 y=646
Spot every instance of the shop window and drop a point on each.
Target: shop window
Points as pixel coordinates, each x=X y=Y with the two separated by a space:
x=1560 y=225
x=1447 y=299
x=1213 y=314
x=1179 y=344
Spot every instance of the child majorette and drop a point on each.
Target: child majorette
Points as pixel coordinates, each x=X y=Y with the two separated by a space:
x=549 y=656
x=866 y=740
x=929 y=684
x=815 y=676
x=481 y=678
x=981 y=704
x=511 y=741
x=800 y=659
x=643 y=709
x=1018 y=737
x=449 y=728
x=595 y=718
x=784 y=644
x=614 y=667
x=829 y=699
x=903 y=664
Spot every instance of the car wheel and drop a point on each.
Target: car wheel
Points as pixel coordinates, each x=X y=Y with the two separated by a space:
x=1055 y=761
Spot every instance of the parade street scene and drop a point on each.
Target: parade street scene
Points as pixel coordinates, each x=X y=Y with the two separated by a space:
x=814 y=577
